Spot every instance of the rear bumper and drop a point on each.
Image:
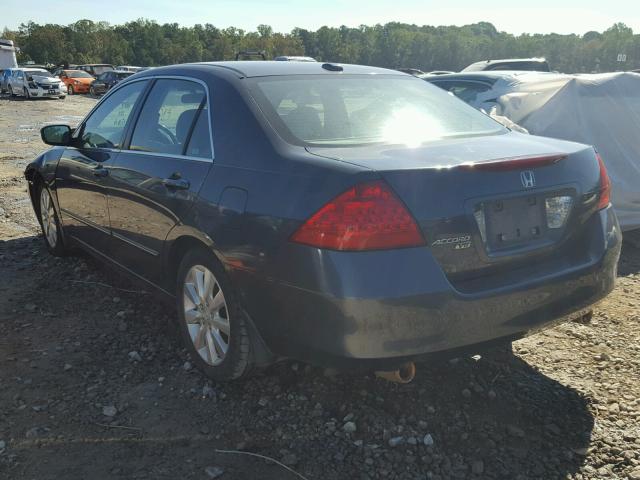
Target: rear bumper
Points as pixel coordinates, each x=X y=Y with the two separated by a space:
x=381 y=308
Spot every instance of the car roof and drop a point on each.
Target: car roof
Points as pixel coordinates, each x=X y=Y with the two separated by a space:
x=273 y=68
x=510 y=60
x=490 y=76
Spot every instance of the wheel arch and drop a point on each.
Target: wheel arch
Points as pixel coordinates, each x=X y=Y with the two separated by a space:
x=34 y=181
x=182 y=240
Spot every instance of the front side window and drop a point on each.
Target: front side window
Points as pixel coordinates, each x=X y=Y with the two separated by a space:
x=106 y=125
x=365 y=109
x=168 y=117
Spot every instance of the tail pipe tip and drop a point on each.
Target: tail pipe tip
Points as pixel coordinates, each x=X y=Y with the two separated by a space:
x=404 y=374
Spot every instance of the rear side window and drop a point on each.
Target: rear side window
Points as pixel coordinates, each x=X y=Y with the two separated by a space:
x=200 y=142
x=365 y=109
x=169 y=115
x=106 y=125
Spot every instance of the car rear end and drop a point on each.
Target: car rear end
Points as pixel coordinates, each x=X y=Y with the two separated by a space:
x=455 y=233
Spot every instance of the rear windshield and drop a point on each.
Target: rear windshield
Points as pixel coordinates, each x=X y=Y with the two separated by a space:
x=98 y=69
x=358 y=110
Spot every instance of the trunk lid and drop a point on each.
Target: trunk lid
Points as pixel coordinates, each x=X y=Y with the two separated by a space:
x=483 y=206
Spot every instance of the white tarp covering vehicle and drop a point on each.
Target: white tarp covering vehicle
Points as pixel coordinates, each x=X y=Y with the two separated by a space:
x=602 y=110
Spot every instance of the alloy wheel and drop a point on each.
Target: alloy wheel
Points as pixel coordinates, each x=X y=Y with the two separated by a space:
x=48 y=218
x=206 y=314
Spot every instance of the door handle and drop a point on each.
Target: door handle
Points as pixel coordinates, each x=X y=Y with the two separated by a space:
x=176 y=183
x=100 y=172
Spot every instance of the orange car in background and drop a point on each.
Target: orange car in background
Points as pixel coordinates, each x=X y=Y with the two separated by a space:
x=76 y=81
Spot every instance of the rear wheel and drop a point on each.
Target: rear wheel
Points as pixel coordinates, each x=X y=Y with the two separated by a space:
x=212 y=324
x=50 y=223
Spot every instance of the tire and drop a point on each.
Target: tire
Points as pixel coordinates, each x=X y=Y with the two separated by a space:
x=50 y=223
x=201 y=280
x=92 y=92
x=70 y=90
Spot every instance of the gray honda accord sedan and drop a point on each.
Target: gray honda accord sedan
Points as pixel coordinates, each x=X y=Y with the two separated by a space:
x=341 y=215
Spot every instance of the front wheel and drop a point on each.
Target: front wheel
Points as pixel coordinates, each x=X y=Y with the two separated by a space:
x=212 y=324
x=50 y=224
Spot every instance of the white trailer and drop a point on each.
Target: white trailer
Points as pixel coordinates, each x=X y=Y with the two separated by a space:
x=7 y=54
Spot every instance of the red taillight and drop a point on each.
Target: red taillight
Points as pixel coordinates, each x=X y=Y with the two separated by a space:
x=368 y=216
x=605 y=185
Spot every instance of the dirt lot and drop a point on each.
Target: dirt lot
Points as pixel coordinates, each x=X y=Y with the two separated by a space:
x=93 y=385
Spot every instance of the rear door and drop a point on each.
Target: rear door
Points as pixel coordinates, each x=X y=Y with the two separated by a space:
x=157 y=177
x=82 y=176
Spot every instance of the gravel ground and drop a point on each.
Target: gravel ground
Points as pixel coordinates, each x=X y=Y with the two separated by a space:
x=93 y=384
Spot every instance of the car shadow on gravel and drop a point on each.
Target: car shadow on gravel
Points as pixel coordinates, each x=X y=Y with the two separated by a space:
x=67 y=353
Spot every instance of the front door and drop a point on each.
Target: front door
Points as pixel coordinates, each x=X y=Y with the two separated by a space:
x=83 y=173
x=158 y=176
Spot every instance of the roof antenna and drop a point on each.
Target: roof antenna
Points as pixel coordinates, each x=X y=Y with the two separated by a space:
x=332 y=67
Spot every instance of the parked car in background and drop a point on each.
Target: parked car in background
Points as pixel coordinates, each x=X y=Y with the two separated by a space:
x=438 y=72
x=129 y=68
x=77 y=81
x=467 y=86
x=35 y=83
x=4 y=79
x=411 y=71
x=96 y=69
x=350 y=216
x=107 y=80
x=288 y=58
x=530 y=64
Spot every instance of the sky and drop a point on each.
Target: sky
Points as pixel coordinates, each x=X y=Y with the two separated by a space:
x=515 y=16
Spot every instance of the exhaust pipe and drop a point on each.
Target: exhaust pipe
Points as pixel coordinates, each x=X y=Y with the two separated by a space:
x=404 y=374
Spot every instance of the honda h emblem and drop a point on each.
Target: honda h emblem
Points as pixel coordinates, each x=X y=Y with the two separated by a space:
x=528 y=179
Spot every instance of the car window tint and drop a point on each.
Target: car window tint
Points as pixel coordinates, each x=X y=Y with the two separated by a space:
x=105 y=127
x=168 y=116
x=200 y=141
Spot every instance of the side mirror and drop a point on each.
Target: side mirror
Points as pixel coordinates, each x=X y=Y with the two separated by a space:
x=56 y=135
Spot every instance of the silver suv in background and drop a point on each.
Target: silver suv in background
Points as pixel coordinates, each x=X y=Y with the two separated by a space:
x=528 y=64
